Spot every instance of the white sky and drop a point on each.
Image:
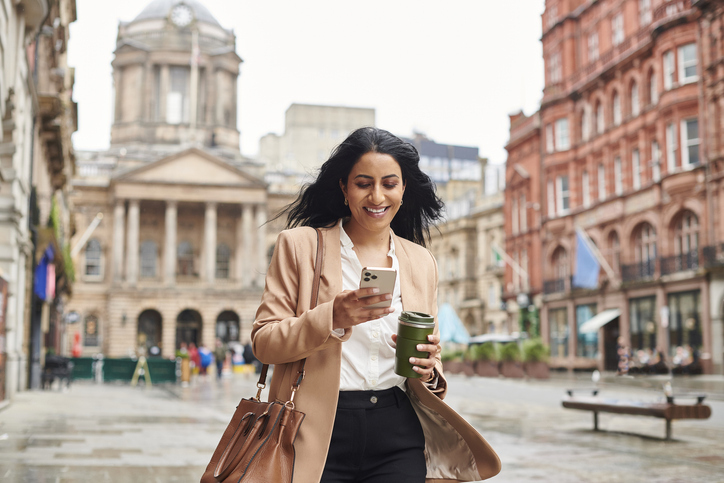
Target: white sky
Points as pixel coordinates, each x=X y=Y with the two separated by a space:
x=453 y=70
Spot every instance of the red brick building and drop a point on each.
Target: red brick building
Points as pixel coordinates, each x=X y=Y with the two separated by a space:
x=629 y=151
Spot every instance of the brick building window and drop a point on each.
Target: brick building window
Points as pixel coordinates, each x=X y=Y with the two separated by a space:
x=555 y=69
x=600 y=122
x=644 y=12
x=550 y=140
x=668 y=70
x=558 y=323
x=514 y=217
x=562 y=195
x=636 y=168
x=617 y=34
x=645 y=243
x=616 y=103
x=655 y=161
x=601 y=182
x=635 y=105
x=641 y=318
x=689 y=142
x=563 y=138
x=585 y=123
x=614 y=247
x=617 y=176
x=523 y=214
x=585 y=189
x=686 y=233
x=593 y=47
x=653 y=88
x=671 y=147
x=687 y=64
x=560 y=263
x=551 y=199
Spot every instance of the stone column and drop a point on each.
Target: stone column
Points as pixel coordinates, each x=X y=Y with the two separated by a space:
x=210 y=242
x=132 y=242
x=239 y=262
x=247 y=216
x=119 y=222
x=165 y=79
x=169 y=251
x=261 y=265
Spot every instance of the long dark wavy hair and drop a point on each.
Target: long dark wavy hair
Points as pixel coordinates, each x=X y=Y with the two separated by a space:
x=321 y=203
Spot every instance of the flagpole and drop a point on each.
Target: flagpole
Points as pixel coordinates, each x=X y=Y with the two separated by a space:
x=596 y=253
x=512 y=264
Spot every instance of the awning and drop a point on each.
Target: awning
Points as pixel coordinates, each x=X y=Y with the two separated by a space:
x=599 y=320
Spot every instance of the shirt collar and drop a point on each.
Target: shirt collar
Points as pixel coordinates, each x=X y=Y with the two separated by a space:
x=347 y=241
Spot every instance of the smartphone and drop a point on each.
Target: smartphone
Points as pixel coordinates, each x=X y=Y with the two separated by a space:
x=382 y=278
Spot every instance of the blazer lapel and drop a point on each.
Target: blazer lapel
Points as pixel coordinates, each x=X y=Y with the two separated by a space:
x=407 y=281
x=331 y=283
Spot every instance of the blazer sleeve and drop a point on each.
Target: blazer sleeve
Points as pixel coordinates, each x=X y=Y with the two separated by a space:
x=440 y=388
x=281 y=334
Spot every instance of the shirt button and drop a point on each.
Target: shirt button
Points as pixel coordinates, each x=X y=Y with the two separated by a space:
x=373 y=399
x=375 y=334
x=374 y=358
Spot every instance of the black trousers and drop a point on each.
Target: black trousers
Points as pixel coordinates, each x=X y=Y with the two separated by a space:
x=377 y=438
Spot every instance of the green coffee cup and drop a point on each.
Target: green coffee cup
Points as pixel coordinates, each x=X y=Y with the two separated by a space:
x=412 y=329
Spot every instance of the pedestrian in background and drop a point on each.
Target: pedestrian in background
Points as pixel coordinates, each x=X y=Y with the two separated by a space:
x=205 y=357
x=220 y=357
x=373 y=206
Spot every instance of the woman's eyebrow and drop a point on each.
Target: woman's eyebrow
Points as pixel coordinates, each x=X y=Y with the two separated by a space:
x=366 y=176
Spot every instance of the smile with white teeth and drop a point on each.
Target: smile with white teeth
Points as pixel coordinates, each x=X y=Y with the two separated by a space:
x=377 y=210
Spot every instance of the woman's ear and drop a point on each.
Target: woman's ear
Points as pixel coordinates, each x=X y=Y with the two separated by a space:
x=343 y=187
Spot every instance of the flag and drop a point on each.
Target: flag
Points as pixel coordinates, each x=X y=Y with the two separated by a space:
x=41 y=285
x=587 y=266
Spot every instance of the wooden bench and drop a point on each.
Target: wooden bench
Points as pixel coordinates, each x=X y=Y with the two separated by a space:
x=668 y=410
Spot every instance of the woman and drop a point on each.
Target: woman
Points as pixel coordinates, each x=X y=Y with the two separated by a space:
x=363 y=422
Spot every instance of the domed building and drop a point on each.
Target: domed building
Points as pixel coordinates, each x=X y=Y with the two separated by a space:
x=170 y=220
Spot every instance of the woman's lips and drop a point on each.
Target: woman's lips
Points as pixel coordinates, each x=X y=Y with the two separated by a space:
x=376 y=212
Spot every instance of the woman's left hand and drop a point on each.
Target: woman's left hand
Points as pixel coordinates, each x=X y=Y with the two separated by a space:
x=425 y=367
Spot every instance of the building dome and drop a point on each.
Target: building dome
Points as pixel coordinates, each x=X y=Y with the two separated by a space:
x=160 y=9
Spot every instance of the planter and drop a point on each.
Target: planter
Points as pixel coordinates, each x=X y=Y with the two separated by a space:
x=512 y=369
x=452 y=367
x=537 y=370
x=487 y=368
x=468 y=368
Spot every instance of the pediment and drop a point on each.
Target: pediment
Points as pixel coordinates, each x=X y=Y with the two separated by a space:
x=190 y=167
x=519 y=174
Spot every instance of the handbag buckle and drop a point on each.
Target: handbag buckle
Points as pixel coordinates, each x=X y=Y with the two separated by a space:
x=261 y=388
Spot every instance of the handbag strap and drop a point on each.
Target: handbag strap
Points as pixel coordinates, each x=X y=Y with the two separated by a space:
x=312 y=303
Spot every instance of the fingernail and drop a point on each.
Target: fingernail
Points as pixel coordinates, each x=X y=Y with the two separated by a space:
x=412 y=360
x=388 y=296
x=375 y=290
x=419 y=347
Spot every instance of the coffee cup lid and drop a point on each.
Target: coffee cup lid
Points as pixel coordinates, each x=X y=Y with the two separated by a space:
x=418 y=317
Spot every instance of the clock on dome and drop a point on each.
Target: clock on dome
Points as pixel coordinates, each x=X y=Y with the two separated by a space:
x=182 y=15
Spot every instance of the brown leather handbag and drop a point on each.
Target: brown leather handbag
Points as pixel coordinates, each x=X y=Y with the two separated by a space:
x=258 y=444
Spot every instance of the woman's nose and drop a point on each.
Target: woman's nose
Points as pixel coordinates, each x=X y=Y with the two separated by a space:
x=377 y=195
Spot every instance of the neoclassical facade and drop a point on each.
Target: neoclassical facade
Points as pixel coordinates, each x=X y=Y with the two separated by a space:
x=171 y=220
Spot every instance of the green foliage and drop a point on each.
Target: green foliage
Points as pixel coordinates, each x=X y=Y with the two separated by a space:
x=534 y=350
x=68 y=264
x=510 y=352
x=481 y=352
x=182 y=355
x=449 y=355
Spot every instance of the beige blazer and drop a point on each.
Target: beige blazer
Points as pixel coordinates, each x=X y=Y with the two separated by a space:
x=286 y=331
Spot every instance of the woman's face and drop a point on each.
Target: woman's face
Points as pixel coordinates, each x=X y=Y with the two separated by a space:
x=374 y=191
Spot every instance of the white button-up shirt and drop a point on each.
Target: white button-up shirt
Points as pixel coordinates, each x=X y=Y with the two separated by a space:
x=368 y=356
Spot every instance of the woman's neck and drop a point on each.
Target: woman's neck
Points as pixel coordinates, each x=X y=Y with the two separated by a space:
x=365 y=239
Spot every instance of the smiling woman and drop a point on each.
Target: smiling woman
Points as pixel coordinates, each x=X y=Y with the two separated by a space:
x=373 y=206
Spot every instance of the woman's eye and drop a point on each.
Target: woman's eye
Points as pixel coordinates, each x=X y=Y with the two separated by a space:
x=391 y=186
x=363 y=186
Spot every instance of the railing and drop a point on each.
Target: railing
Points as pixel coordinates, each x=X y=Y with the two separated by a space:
x=554 y=286
x=638 y=271
x=713 y=256
x=679 y=263
x=670 y=9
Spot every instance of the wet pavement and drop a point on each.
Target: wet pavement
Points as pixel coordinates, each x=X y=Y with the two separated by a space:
x=117 y=433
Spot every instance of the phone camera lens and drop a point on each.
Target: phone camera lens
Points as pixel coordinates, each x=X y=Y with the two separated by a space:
x=367 y=274
x=367 y=279
x=374 y=277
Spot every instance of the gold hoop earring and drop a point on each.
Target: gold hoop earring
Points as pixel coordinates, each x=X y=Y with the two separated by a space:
x=346 y=203
x=401 y=201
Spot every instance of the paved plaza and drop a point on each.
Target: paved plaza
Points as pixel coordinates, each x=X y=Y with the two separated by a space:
x=118 y=433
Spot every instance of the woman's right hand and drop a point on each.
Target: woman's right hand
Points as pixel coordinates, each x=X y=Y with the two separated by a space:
x=349 y=308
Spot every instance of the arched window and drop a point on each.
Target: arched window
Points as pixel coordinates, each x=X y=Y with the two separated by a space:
x=600 y=123
x=185 y=258
x=616 y=101
x=645 y=243
x=635 y=106
x=223 y=254
x=227 y=326
x=150 y=329
x=560 y=263
x=149 y=255
x=614 y=248
x=93 y=258
x=653 y=88
x=686 y=237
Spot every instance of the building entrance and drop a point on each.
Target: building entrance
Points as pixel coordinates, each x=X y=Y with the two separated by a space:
x=611 y=332
x=188 y=328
